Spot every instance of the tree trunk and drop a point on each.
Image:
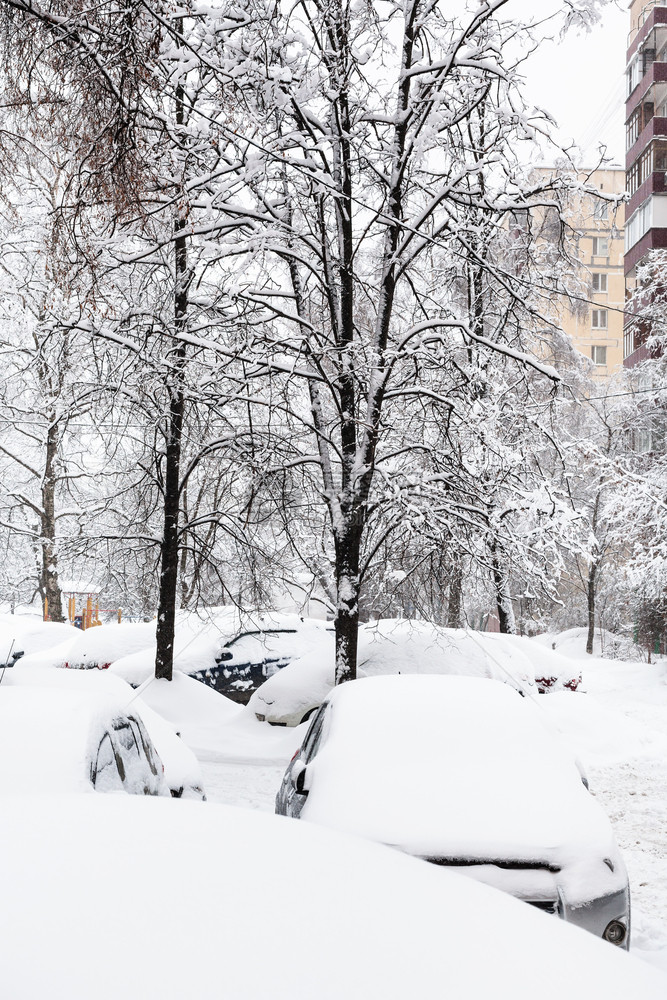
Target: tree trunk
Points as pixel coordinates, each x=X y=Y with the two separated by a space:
x=169 y=548
x=49 y=587
x=455 y=595
x=348 y=547
x=591 y=585
x=166 y=616
x=503 y=599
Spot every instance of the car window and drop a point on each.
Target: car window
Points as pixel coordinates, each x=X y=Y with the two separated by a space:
x=108 y=773
x=313 y=738
x=125 y=737
x=144 y=742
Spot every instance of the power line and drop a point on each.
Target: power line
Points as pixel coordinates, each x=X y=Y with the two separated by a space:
x=629 y=392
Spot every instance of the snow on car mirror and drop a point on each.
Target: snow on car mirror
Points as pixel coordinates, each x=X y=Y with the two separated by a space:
x=582 y=773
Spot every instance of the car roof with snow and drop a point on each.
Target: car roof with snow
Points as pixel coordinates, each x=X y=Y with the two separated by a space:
x=458 y=768
x=393 y=646
x=301 y=912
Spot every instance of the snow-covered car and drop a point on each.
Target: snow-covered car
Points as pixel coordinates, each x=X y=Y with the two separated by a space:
x=60 y=741
x=182 y=772
x=229 y=650
x=571 y=644
x=91 y=890
x=181 y=768
x=263 y=643
x=30 y=636
x=98 y=648
x=464 y=773
x=393 y=646
x=552 y=671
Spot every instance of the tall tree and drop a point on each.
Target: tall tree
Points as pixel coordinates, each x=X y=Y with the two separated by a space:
x=378 y=169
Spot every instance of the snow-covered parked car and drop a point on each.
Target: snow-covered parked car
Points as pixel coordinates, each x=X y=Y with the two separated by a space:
x=64 y=741
x=181 y=768
x=552 y=671
x=231 y=650
x=98 y=648
x=182 y=773
x=571 y=644
x=464 y=773
x=392 y=646
x=28 y=635
x=91 y=892
x=261 y=644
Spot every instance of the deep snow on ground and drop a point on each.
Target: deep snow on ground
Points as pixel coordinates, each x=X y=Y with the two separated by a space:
x=149 y=899
x=617 y=725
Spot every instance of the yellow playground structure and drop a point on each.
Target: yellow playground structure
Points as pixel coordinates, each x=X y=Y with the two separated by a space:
x=88 y=613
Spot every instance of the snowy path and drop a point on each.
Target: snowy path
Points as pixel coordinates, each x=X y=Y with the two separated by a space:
x=240 y=782
x=634 y=795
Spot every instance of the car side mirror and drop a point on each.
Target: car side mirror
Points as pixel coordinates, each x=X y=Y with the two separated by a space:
x=582 y=773
x=298 y=778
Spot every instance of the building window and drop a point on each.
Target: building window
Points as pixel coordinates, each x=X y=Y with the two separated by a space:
x=599 y=319
x=633 y=75
x=632 y=178
x=628 y=342
x=599 y=354
x=640 y=170
x=599 y=282
x=648 y=58
x=643 y=441
x=600 y=246
x=639 y=224
x=637 y=122
x=632 y=129
x=601 y=210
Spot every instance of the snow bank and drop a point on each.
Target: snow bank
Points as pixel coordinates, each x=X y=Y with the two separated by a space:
x=98 y=929
x=196 y=711
x=31 y=635
x=606 y=644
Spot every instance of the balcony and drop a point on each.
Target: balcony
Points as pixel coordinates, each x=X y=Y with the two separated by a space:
x=655 y=183
x=642 y=312
x=654 y=239
x=658 y=15
x=641 y=353
x=654 y=128
x=655 y=75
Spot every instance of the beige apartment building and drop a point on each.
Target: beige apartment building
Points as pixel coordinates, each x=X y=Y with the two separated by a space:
x=595 y=324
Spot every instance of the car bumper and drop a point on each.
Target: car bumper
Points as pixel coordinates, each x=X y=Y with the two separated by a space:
x=599 y=914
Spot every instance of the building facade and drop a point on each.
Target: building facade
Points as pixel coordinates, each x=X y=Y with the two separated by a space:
x=646 y=161
x=595 y=326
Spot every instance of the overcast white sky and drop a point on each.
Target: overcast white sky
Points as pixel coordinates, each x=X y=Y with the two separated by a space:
x=580 y=81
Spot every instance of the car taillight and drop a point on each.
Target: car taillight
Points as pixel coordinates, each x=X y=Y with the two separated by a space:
x=296 y=754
